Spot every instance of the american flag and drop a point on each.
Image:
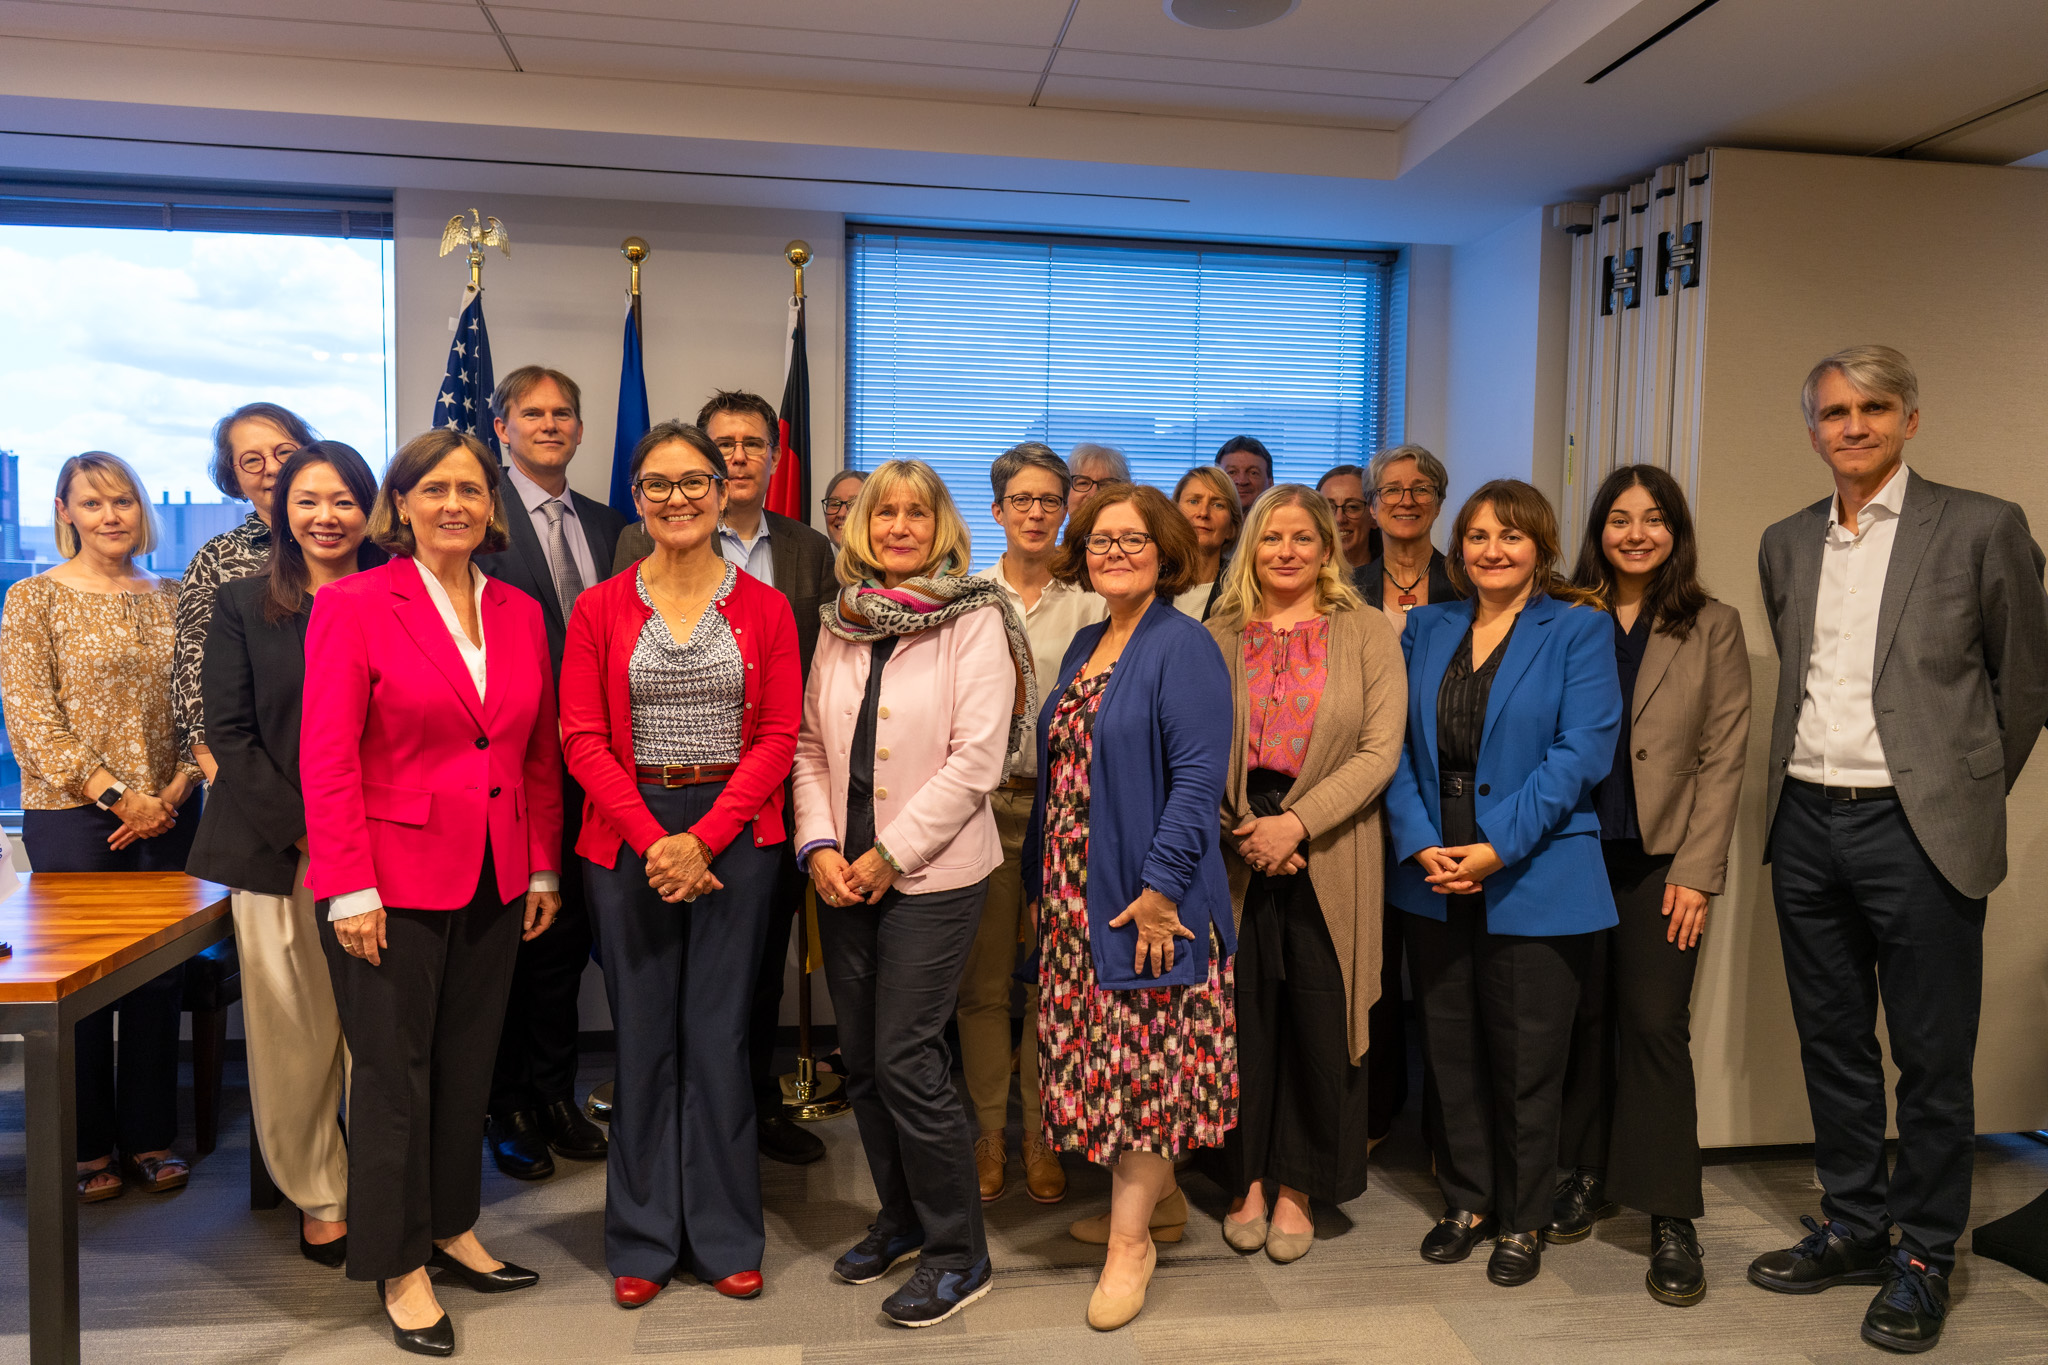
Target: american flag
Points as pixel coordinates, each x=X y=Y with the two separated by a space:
x=464 y=402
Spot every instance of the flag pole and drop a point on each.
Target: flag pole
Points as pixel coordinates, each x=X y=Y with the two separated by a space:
x=636 y=250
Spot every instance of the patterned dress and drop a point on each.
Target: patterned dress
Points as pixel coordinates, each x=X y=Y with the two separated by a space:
x=1133 y=1070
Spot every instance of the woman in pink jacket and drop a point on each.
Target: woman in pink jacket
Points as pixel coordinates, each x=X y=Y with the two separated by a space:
x=919 y=696
x=433 y=788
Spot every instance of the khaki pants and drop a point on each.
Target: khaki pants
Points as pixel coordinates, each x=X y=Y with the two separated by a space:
x=298 y=1061
x=984 y=1014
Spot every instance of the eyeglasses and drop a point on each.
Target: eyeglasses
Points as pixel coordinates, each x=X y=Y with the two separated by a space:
x=1084 y=485
x=1422 y=494
x=258 y=461
x=834 y=506
x=753 y=445
x=1130 y=542
x=1353 y=507
x=1022 y=503
x=692 y=486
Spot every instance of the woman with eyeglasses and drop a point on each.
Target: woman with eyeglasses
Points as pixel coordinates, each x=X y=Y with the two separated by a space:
x=1208 y=502
x=1093 y=466
x=837 y=500
x=681 y=693
x=250 y=445
x=1358 y=537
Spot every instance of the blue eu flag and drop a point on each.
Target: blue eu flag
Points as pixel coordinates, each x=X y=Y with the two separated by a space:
x=633 y=419
x=464 y=403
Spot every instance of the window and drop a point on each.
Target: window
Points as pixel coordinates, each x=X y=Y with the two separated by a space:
x=960 y=346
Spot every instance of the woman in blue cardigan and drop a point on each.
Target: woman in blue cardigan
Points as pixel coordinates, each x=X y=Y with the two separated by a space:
x=1122 y=864
x=1513 y=707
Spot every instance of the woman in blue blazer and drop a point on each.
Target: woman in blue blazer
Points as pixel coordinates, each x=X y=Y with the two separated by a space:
x=1513 y=708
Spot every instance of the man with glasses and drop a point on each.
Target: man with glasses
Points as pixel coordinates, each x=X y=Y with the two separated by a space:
x=1091 y=466
x=1357 y=537
x=561 y=543
x=1031 y=485
x=797 y=562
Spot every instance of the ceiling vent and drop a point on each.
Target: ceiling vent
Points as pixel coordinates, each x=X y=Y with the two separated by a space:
x=1227 y=14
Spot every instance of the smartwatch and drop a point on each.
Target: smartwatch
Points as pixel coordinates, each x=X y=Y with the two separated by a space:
x=111 y=797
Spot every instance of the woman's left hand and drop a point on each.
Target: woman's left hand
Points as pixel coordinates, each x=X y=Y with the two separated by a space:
x=870 y=876
x=541 y=909
x=1686 y=909
x=1471 y=865
x=1159 y=925
x=1267 y=843
x=677 y=864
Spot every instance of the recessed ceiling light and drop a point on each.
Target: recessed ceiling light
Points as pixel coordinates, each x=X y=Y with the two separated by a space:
x=1228 y=13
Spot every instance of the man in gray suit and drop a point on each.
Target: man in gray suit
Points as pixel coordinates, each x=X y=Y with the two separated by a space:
x=1912 y=635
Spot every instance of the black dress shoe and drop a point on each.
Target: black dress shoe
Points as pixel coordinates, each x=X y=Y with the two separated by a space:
x=1825 y=1257
x=435 y=1340
x=782 y=1139
x=506 y=1278
x=1516 y=1259
x=332 y=1254
x=1580 y=1202
x=572 y=1135
x=1908 y=1312
x=1454 y=1236
x=519 y=1147
x=1676 y=1274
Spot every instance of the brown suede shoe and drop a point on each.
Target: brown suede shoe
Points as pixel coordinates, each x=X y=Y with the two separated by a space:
x=989 y=1160
x=1044 y=1179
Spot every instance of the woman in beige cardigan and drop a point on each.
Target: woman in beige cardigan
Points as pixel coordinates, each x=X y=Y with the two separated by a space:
x=1320 y=693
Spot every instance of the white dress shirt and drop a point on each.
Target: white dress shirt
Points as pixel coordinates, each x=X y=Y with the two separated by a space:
x=532 y=497
x=754 y=555
x=1050 y=624
x=1837 y=743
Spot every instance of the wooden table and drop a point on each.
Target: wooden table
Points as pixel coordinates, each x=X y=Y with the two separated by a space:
x=81 y=940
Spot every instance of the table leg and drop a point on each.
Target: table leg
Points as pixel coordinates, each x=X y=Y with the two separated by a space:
x=52 y=1104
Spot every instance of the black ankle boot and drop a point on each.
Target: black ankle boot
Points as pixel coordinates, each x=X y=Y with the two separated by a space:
x=1676 y=1275
x=1581 y=1201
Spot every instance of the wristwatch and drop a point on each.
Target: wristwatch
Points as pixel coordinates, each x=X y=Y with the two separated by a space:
x=111 y=797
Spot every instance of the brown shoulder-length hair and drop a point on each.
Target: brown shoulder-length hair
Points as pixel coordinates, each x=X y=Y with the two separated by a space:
x=1519 y=507
x=286 y=568
x=414 y=462
x=1674 y=597
x=1171 y=536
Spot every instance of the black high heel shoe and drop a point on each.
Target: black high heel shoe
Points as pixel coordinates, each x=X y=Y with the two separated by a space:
x=435 y=1340
x=333 y=1255
x=506 y=1278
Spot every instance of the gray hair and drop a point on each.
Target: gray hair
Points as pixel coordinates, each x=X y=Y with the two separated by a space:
x=1027 y=455
x=1087 y=452
x=1430 y=466
x=1868 y=369
x=833 y=482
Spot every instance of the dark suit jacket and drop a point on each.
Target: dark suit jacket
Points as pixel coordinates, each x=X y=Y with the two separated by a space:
x=1371 y=582
x=803 y=560
x=525 y=565
x=1961 y=681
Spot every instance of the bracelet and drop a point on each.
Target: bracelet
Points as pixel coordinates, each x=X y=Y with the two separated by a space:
x=888 y=857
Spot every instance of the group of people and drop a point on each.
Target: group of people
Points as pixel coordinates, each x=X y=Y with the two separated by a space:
x=1190 y=777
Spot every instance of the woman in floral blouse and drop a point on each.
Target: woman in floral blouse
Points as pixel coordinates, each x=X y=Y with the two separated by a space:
x=85 y=676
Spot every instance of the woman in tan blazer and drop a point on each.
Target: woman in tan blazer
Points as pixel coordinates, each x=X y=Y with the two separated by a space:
x=1319 y=695
x=1667 y=810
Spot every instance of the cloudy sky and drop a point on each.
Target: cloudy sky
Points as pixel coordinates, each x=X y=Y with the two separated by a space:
x=137 y=342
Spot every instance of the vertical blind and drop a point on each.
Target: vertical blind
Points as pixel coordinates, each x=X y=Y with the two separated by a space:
x=958 y=347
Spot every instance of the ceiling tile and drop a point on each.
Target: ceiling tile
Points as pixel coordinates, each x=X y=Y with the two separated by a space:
x=765 y=73
x=1190 y=71
x=424 y=35
x=1208 y=101
x=1030 y=22
x=686 y=39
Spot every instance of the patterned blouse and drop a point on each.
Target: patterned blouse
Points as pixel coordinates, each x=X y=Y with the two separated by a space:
x=86 y=681
x=239 y=553
x=688 y=699
x=1284 y=673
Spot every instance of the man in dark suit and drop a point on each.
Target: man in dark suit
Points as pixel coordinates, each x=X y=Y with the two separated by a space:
x=562 y=542
x=1912 y=635
x=796 y=561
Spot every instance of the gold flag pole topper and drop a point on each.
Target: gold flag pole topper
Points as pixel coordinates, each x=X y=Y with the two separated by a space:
x=798 y=254
x=635 y=250
x=477 y=234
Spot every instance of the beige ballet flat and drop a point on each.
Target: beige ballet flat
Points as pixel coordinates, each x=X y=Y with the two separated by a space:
x=1245 y=1237
x=1284 y=1247
x=1106 y=1314
x=1169 y=1222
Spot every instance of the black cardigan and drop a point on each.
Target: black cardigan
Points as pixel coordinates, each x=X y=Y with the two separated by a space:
x=1371 y=580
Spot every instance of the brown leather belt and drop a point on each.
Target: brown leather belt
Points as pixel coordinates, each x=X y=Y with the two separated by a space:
x=1021 y=784
x=685 y=774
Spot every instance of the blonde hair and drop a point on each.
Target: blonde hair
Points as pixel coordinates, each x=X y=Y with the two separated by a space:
x=1241 y=593
x=950 y=550
x=102 y=468
x=1218 y=483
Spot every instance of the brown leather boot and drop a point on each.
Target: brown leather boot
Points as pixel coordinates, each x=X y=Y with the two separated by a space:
x=990 y=1157
x=1044 y=1179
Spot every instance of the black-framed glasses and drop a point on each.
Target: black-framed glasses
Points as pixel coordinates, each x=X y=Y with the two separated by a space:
x=1084 y=485
x=752 y=445
x=1422 y=494
x=1130 y=542
x=834 y=506
x=654 y=488
x=1350 y=507
x=259 y=461
x=1022 y=503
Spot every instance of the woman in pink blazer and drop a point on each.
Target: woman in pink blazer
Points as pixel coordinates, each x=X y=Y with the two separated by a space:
x=918 y=695
x=433 y=785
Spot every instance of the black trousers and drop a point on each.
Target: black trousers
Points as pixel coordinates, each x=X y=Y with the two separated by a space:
x=422 y=1029
x=683 y=1183
x=894 y=971
x=132 y=1106
x=1301 y=1104
x=537 y=1048
x=1863 y=915
x=764 y=1012
x=1387 y=1026
x=1629 y=1099
x=1496 y=1013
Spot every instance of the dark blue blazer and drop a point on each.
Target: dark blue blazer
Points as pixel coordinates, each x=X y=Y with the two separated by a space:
x=1551 y=722
x=1155 y=790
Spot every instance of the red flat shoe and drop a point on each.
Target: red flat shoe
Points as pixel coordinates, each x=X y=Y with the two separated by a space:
x=746 y=1284
x=628 y=1292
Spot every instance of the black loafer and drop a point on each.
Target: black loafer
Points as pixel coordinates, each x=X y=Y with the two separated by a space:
x=1908 y=1312
x=518 y=1146
x=1825 y=1257
x=1516 y=1259
x=435 y=1340
x=1454 y=1236
x=1580 y=1202
x=333 y=1255
x=506 y=1278
x=1677 y=1275
x=570 y=1134
x=783 y=1140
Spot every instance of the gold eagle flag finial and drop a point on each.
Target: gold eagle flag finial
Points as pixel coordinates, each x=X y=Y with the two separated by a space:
x=476 y=234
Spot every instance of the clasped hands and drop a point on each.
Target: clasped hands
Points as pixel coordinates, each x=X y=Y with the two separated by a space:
x=860 y=882
x=679 y=868
x=144 y=816
x=1272 y=843
x=1458 y=871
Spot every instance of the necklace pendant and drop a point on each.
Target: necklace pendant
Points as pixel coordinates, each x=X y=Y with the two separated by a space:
x=1406 y=601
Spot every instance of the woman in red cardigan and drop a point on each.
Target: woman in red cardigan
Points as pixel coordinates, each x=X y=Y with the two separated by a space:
x=681 y=693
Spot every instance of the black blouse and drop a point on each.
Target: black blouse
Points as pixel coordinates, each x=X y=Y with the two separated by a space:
x=1615 y=797
x=1461 y=703
x=860 y=779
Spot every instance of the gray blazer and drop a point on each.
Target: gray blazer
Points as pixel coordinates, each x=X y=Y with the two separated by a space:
x=1961 y=686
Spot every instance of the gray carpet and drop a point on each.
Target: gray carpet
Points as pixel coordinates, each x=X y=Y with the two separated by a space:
x=194 y=1276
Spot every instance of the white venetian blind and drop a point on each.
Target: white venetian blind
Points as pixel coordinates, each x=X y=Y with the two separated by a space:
x=959 y=346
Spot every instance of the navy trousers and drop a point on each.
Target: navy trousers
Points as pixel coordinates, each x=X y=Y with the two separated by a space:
x=1864 y=916
x=683 y=1183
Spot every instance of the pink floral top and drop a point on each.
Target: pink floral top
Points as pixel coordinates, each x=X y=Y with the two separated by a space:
x=1284 y=672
